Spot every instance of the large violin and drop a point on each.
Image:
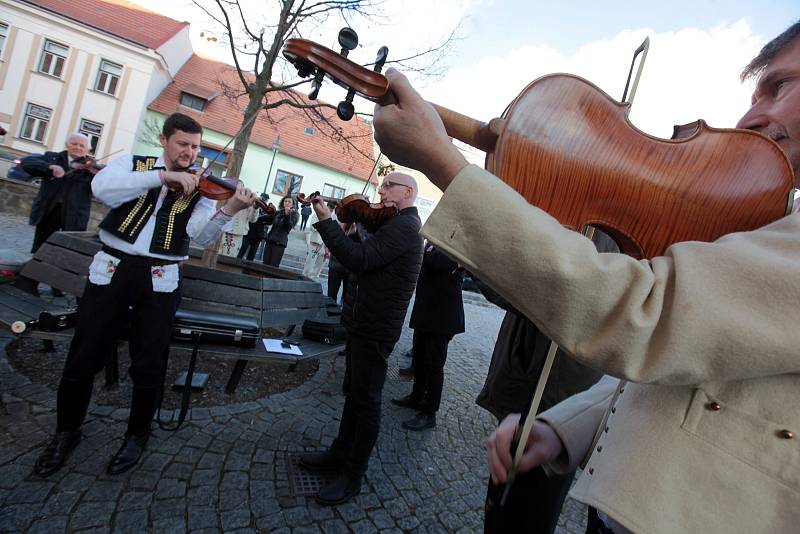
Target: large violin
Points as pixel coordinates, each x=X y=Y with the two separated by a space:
x=569 y=148
x=357 y=208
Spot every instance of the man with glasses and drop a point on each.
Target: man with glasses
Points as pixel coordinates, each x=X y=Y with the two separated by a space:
x=383 y=273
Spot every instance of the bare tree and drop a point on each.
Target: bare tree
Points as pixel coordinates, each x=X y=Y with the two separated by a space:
x=258 y=46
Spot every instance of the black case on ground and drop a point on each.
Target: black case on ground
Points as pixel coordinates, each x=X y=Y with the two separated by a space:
x=325 y=330
x=219 y=328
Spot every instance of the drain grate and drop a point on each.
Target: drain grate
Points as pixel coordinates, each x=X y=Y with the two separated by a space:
x=301 y=481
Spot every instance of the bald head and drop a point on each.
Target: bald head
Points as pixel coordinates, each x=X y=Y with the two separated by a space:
x=399 y=188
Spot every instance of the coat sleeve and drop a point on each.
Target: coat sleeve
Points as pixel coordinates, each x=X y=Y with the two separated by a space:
x=703 y=312
x=389 y=242
x=576 y=420
x=38 y=165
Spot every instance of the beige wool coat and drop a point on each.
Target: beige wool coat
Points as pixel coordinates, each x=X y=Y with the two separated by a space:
x=707 y=439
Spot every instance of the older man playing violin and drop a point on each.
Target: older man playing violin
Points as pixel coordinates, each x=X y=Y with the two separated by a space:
x=155 y=209
x=383 y=273
x=706 y=436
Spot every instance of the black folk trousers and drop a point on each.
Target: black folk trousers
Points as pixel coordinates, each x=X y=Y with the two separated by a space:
x=103 y=312
x=429 y=353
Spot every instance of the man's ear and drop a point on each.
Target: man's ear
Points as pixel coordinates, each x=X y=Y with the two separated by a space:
x=163 y=140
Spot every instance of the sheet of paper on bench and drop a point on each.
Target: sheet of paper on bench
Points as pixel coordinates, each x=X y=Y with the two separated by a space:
x=274 y=345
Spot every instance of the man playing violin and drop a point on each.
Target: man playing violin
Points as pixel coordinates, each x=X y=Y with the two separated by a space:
x=65 y=194
x=383 y=269
x=135 y=278
x=704 y=438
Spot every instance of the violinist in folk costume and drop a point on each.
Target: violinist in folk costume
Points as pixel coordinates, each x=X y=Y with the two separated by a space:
x=706 y=435
x=155 y=210
x=383 y=273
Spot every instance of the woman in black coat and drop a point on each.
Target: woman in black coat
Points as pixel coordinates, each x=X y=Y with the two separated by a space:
x=278 y=236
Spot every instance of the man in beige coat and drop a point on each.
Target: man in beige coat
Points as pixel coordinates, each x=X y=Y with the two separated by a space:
x=705 y=437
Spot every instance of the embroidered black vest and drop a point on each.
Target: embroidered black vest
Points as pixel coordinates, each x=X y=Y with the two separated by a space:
x=169 y=237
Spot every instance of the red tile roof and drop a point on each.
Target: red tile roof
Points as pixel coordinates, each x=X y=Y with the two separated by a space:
x=224 y=116
x=117 y=17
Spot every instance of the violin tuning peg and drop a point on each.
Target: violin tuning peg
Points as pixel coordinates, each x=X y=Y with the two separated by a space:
x=345 y=110
x=380 y=59
x=316 y=84
x=348 y=40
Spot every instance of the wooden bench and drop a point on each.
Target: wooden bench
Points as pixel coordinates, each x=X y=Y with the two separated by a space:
x=63 y=263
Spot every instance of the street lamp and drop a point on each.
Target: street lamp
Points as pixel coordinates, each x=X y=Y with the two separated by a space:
x=276 y=146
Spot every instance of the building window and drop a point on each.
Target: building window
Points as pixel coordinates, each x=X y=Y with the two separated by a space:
x=92 y=130
x=331 y=191
x=309 y=131
x=34 y=125
x=54 y=56
x=108 y=77
x=424 y=207
x=3 y=35
x=286 y=183
x=193 y=102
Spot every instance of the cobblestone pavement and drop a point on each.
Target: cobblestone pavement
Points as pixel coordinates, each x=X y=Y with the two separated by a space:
x=226 y=469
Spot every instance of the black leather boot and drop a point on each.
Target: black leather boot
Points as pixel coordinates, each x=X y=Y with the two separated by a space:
x=128 y=455
x=341 y=490
x=321 y=461
x=406 y=402
x=56 y=452
x=421 y=421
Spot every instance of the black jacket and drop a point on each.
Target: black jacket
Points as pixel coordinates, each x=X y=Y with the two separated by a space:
x=518 y=360
x=438 y=306
x=257 y=230
x=282 y=224
x=384 y=269
x=74 y=191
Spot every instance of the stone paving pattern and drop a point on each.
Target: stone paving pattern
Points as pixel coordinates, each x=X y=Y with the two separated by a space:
x=226 y=471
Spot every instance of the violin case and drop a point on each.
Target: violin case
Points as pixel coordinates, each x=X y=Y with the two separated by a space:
x=328 y=330
x=216 y=328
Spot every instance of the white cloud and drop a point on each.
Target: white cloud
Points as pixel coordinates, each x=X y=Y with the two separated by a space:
x=689 y=74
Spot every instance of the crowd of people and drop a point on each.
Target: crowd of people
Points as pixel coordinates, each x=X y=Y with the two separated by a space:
x=674 y=393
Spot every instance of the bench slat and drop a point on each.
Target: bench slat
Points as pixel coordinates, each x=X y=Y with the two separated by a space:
x=299 y=286
x=279 y=318
x=204 y=290
x=54 y=277
x=198 y=272
x=66 y=259
x=84 y=242
x=274 y=301
x=28 y=305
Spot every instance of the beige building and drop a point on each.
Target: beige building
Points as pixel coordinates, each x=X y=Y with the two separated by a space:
x=83 y=65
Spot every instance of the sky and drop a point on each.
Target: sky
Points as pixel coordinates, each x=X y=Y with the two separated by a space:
x=697 y=49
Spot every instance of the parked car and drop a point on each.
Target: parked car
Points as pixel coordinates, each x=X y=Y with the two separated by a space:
x=16 y=172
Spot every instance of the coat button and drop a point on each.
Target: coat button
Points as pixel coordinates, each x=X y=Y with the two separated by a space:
x=786 y=434
x=613 y=409
x=605 y=430
x=599 y=448
x=713 y=406
x=621 y=390
x=591 y=470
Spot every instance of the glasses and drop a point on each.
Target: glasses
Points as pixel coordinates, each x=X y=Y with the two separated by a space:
x=388 y=185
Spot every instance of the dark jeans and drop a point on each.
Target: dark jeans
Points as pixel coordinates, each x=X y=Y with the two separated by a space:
x=533 y=504
x=102 y=312
x=249 y=247
x=273 y=254
x=429 y=356
x=305 y=219
x=364 y=377
x=336 y=279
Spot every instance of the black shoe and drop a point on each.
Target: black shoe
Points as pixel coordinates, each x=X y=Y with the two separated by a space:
x=406 y=402
x=128 y=455
x=341 y=490
x=321 y=461
x=406 y=371
x=56 y=452
x=421 y=421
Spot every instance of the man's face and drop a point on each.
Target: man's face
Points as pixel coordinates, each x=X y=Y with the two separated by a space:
x=775 y=110
x=395 y=188
x=180 y=149
x=77 y=147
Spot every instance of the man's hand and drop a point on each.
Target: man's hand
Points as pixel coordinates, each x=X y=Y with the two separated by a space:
x=320 y=208
x=57 y=170
x=185 y=182
x=411 y=133
x=241 y=199
x=543 y=446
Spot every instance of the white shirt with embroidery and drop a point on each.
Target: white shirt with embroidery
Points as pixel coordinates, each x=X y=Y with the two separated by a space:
x=117 y=184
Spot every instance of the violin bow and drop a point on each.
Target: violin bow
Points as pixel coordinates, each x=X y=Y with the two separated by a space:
x=524 y=430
